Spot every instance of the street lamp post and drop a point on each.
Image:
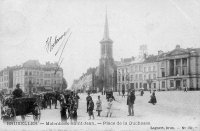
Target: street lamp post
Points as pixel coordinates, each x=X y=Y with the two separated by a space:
x=127 y=78
x=119 y=82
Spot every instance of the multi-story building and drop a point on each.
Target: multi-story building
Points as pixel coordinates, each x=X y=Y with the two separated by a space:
x=6 y=79
x=86 y=81
x=33 y=76
x=139 y=73
x=179 y=68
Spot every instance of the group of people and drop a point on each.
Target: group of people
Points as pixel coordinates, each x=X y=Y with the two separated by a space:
x=69 y=104
x=90 y=106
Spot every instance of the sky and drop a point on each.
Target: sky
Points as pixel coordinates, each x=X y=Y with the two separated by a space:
x=25 y=26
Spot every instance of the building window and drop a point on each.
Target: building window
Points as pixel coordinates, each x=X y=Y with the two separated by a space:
x=136 y=85
x=140 y=76
x=154 y=68
x=149 y=76
x=122 y=78
x=140 y=67
x=144 y=77
x=154 y=76
x=149 y=68
x=131 y=77
x=34 y=73
x=131 y=68
x=119 y=78
x=162 y=64
x=136 y=77
x=171 y=83
x=184 y=71
x=41 y=81
x=37 y=81
x=163 y=72
x=184 y=83
x=145 y=69
x=30 y=73
x=163 y=84
x=122 y=71
x=178 y=70
x=154 y=85
x=136 y=68
x=140 y=85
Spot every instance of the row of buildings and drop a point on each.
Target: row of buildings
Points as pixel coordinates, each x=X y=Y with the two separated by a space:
x=172 y=70
x=86 y=81
x=32 y=76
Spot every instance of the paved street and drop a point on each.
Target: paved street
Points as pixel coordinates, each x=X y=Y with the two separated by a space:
x=172 y=110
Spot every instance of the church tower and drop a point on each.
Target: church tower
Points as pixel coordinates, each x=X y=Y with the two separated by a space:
x=106 y=62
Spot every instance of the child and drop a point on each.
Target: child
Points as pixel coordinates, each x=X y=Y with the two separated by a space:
x=91 y=108
x=99 y=107
x=109 y=112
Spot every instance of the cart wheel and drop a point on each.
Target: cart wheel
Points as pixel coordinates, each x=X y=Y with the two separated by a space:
x=36 y=114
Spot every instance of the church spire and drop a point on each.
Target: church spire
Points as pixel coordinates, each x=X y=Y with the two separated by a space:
x=106 y=30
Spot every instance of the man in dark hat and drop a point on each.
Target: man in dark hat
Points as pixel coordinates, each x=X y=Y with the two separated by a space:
x=17 y=92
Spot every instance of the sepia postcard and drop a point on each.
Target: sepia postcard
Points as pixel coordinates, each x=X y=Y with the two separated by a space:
x=100 y=65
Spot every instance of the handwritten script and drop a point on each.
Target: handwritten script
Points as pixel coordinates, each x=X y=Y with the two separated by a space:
x=50 y=44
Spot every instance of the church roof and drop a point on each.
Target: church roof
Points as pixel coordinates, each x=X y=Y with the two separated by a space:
x=106 y=37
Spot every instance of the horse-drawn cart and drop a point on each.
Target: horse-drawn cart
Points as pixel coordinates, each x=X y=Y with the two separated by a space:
x=20 y=107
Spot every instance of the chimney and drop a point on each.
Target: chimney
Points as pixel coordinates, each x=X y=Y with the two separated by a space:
x=160 y=52
x=178 y=46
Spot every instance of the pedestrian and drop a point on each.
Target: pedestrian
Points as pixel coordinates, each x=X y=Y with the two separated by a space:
x=88 y=99
x=130 y=103
x=185 y=88
x=77 y=99
x=153 y=98
x=74 y=110
x=91 y=108
x=69 y=106
x=17 y=92
x=99 y=106
x=45 y=101
x=109 y=107
x=49 y=101
x=142 y=92
x=63 y=109
x=123 y=92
